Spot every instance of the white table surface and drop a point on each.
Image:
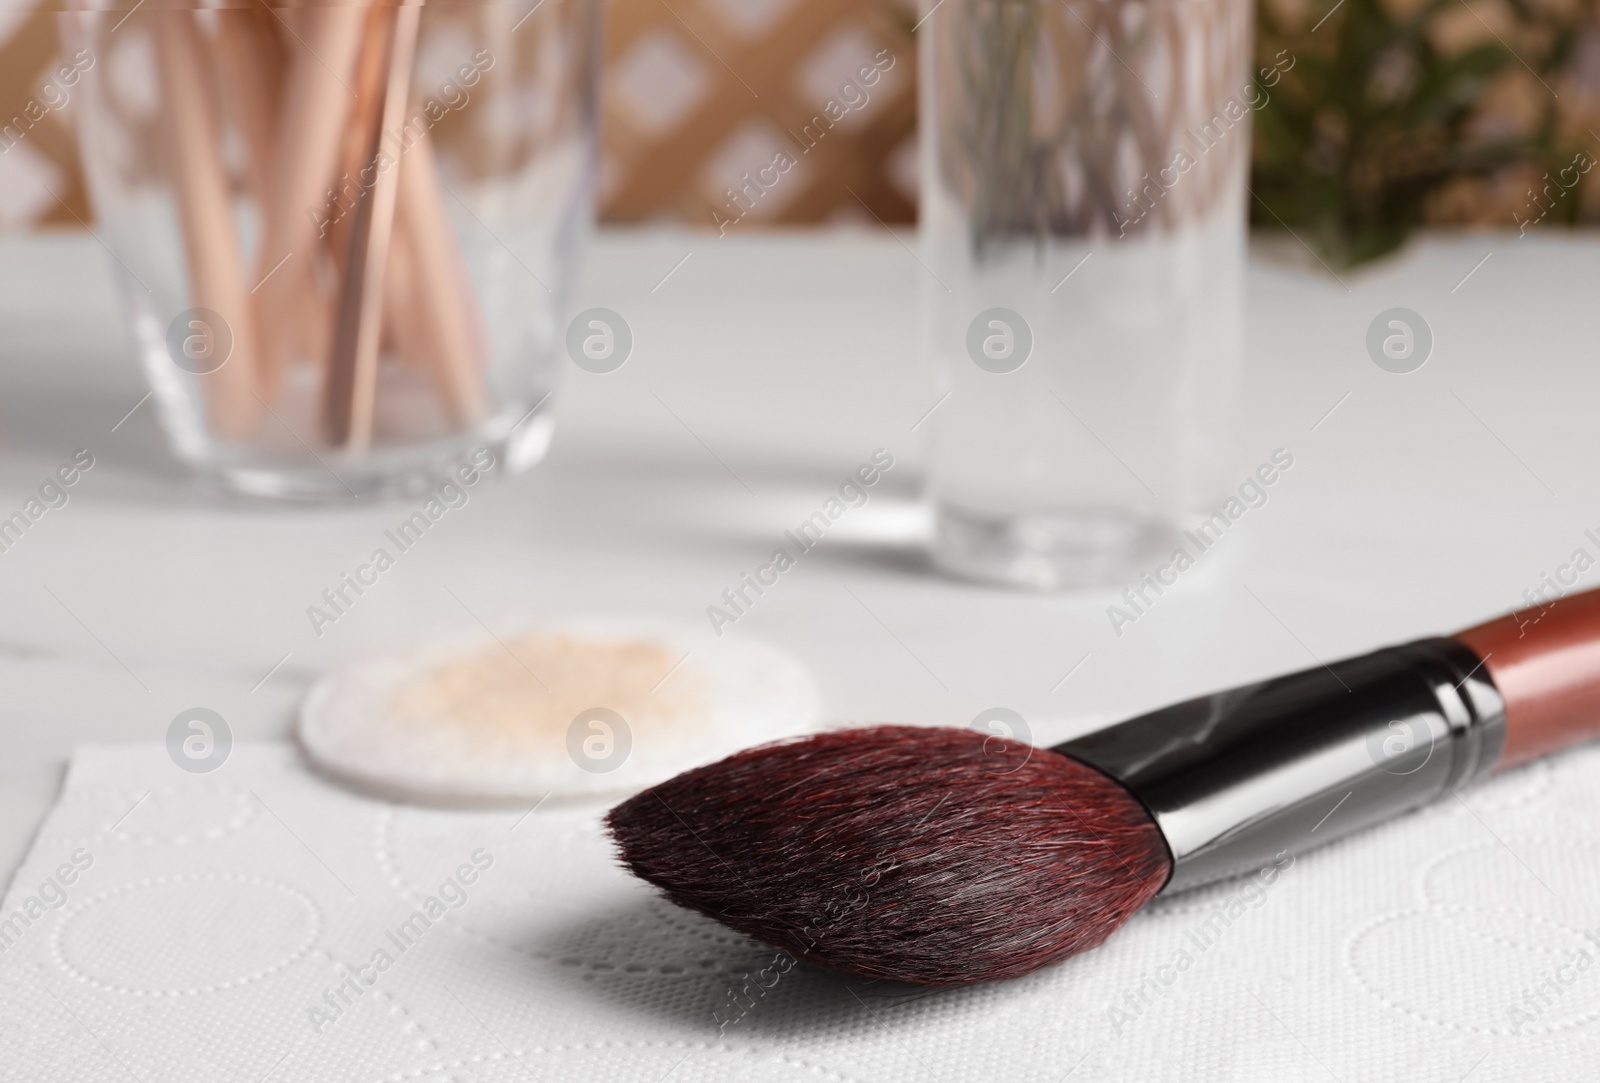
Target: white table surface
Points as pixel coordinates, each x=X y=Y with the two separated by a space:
x=1422 y=502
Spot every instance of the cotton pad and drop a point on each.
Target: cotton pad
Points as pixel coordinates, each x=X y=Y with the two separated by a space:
x=587 y=707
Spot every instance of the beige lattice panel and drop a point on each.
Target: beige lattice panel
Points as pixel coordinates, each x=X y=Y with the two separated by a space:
x=40 y=182
x=703 y=93
x=694 y=95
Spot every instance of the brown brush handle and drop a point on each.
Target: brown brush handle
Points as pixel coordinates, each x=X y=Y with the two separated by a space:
x=1545 y=661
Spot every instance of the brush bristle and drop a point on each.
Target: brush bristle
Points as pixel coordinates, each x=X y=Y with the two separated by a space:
x=934 y=856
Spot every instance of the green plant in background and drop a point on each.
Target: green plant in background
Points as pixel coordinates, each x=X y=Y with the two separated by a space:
x=1379 y=120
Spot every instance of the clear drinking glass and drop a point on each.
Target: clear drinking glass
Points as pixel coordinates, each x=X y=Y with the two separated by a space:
x=344 y=232
x=1083 y=217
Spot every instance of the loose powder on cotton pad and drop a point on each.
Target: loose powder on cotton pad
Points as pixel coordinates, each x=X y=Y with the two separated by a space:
x=590 y=707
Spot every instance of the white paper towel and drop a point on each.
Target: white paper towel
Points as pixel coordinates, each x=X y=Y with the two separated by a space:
x=200 y=929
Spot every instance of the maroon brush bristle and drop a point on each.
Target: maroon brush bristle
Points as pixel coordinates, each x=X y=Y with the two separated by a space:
x=934 y=856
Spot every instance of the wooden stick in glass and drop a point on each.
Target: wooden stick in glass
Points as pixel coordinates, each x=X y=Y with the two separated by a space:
x=438 y=289
x=212 y=253
x=316 y=101
x=351 y=389
x=251 y=73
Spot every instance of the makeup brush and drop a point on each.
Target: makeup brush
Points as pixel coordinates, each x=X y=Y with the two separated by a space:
x=945 y=856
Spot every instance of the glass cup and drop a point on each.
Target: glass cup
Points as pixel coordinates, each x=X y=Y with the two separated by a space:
x=1083 y=220
x=344 y=232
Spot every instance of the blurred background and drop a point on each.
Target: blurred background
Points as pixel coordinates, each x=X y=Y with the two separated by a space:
x=1382 y=116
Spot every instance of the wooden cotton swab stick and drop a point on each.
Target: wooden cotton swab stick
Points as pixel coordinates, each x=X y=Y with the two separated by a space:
x=311 y=120
x=428 y=318
x=403 y=330
x=251 y=73
x=211 y=245
x=402 y=316
x=437 y=291
x=350 y=393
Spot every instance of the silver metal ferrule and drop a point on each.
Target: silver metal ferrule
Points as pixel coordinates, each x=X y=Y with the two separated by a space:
x=1238 y=778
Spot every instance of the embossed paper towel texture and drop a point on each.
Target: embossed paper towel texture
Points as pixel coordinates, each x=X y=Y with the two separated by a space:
x=260 y=923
